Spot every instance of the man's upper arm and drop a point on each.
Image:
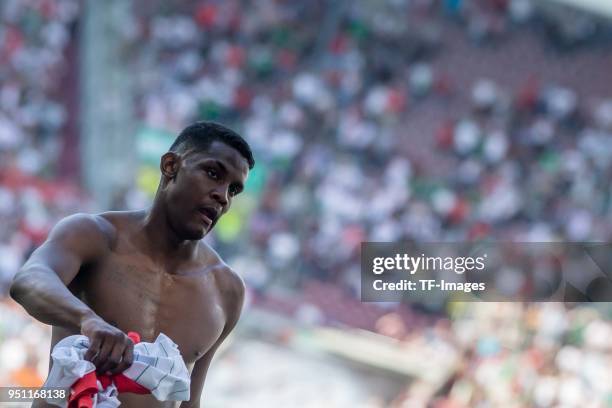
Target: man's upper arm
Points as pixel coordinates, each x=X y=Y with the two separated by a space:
x=75 y=240
x=233 y=293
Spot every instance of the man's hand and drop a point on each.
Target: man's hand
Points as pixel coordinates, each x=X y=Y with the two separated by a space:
x=110 y=350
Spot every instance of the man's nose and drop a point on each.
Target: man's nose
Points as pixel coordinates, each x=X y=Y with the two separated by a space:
x=220 y=194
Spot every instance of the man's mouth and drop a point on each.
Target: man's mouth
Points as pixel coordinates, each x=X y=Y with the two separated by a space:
x=209 y=215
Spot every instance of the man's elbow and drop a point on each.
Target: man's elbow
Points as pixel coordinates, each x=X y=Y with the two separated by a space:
x=19 y=287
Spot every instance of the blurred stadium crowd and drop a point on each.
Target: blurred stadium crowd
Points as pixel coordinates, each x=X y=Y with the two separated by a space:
x=371 y=121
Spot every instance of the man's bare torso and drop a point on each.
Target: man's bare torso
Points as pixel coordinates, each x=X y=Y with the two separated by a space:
x=134 y=292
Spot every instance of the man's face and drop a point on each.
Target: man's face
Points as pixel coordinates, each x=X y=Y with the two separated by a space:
x=203 y=189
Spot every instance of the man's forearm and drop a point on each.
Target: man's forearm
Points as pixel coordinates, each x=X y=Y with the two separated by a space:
x=46 y=298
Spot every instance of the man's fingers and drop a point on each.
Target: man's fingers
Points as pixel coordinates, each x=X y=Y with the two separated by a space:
x=94 y=349
x=108 y=345
x=115 y=358
x=101 y=361
x=127 y=358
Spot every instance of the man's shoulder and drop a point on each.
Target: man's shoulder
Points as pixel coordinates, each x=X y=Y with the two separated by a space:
x=87 y=227
x=101 y=227
x=121 y=219
x=229 y=282
x=232 y=290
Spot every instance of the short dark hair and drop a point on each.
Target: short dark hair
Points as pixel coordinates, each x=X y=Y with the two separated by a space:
x=201 y=134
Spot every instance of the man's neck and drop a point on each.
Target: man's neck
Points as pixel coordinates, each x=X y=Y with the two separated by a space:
x=161 y=240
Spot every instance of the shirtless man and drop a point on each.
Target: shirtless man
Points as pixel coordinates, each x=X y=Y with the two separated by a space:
x=147 y=271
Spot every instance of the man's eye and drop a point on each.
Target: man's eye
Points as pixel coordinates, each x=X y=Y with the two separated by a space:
x=212 y=174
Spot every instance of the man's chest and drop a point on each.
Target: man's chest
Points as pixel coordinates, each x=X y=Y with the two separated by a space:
x=136 y=296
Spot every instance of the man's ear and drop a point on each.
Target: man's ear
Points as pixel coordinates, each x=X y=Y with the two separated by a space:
x=169 y=165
